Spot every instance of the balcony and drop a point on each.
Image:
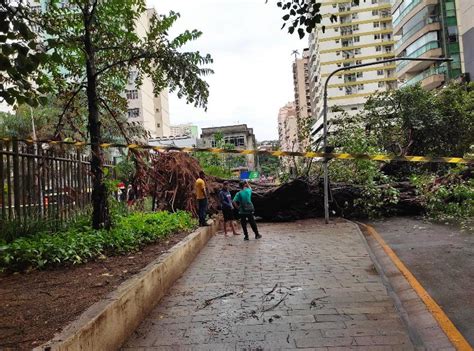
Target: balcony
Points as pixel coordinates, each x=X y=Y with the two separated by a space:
x=429 y=50
x=413 y=8
x=429 y=24
x=429 y=79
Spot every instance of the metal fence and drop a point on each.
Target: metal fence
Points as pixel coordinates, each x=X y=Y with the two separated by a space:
x=38 y=183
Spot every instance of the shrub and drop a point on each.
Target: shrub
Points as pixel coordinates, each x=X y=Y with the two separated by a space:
x=80 y=243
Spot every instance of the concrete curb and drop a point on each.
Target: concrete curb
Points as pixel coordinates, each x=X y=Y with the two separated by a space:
x=107 y=324
x=423 y=329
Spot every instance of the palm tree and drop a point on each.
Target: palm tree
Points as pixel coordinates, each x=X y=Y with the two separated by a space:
x=296 y=53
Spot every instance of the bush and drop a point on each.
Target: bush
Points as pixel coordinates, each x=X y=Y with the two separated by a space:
x=448 y=199
x=80 y=243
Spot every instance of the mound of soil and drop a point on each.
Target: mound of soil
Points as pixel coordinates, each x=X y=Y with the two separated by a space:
x=36 y=305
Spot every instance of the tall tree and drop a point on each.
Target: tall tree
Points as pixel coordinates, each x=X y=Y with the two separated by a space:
x=96 y=45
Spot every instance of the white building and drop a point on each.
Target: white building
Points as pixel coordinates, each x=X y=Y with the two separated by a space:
x=361 y=34
x=143 y=106
x=184 y=129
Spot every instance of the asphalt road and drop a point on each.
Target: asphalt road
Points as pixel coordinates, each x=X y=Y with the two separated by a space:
x=442 y=259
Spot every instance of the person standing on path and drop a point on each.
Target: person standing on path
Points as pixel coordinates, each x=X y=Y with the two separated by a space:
x=243 y=200
x=201 y=196
x=225 y=200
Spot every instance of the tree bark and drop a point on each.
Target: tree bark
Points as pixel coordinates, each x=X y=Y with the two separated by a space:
x=100 y=210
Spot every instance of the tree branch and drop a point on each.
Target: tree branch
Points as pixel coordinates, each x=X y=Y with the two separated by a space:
x=68 y=104
x=112 y=113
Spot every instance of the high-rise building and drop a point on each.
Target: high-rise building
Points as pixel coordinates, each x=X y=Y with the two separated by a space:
x=143 y=106
x=302 y=97
x=426 y=29
x=350 y=34
x=288 y=128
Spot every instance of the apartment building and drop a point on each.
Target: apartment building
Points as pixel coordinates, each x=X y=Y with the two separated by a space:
x=427 y=29
x=301 y=82
x=239 y=135
x=360 y=34
x=288 y=132
x=143 y=106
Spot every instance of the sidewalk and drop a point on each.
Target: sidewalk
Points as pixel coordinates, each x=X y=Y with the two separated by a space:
x=304 y=285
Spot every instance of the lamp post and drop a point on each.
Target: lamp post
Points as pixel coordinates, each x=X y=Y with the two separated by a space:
x=325 y=118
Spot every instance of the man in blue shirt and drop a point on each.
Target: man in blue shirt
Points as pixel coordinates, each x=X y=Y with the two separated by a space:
x=225 y=200
x=243 y=201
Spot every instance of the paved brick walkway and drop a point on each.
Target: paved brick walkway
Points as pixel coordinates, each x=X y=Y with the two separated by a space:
x=303 y=286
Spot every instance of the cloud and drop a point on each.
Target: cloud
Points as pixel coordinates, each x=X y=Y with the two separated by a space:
x=253 y=76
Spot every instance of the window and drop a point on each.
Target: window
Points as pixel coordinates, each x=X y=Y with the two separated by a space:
x=358 y=62
x=355 y=16
x=334 y=6
x=338 y=65
x=374 y=1
x=380 y=72
x=132 y=76
x=339 y=77
x=131 y=94
x=158 y=125
x=376 y=36
x=356 y=39
x=336 y=29
x=357 y=51
x=133 y=112
x=360 y=74
x=360 y=87
x=338 y=53
x=378 y=48
x=452 y=33
x=376 y=24
x=381 y=84
x=337 y=41
x=355 y=27
x=340 y=88
x=375 y=12
x=354 y=108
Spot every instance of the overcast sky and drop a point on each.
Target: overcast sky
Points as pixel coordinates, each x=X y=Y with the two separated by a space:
x=252 y=62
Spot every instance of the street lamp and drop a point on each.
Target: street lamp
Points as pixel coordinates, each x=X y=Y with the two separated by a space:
x=325 y=120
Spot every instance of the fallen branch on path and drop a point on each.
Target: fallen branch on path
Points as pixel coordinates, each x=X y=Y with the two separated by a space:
x=274 y=288
x=276 y=305
x=209 y=301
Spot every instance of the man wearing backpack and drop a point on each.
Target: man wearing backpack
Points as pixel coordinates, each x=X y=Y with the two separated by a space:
x=243 y=201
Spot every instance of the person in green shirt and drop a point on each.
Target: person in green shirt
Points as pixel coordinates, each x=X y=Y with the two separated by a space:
x=243 y=201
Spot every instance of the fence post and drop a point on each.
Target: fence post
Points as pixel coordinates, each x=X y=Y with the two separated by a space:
x=16 y=178
x=80 y=182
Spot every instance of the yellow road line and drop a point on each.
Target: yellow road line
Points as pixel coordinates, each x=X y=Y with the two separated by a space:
x=443 y=320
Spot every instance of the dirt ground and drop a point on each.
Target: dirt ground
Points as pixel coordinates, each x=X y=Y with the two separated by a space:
x=442 y=259
x=36 y=305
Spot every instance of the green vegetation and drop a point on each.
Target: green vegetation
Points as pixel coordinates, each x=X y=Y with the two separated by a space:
x=80 y=243
x=220 y=165
x=409 y=121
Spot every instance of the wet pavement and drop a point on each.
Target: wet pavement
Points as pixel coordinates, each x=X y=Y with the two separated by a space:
x=441 y=258
x=305 y=285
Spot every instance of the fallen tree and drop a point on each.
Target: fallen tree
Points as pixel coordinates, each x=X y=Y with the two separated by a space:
x=169 y=180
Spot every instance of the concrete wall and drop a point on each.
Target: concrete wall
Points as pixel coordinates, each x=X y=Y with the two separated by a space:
x=465 y=12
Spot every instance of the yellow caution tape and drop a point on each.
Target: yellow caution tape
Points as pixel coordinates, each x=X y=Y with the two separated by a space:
x=276 y=153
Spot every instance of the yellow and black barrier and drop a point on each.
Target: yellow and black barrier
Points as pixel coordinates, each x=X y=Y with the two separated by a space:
x=276 y=153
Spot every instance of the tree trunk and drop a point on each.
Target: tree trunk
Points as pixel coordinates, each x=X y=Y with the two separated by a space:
x=100 y=214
